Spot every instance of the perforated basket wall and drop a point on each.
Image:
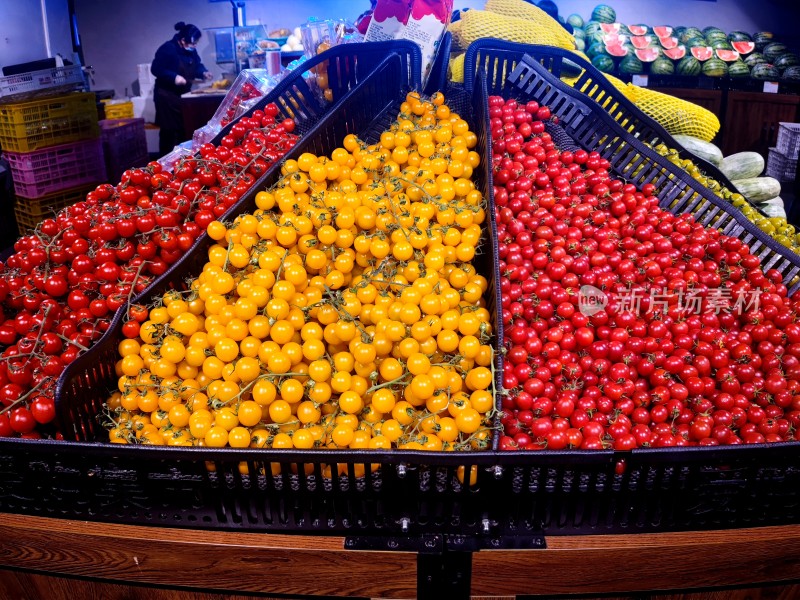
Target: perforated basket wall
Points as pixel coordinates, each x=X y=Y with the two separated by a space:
x=37 y=124
x=410 y=491
x=57 y=168
x=593 y=127
x=499 y=58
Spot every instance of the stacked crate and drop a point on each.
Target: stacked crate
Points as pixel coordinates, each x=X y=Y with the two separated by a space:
x=782 y=160
x=124 y=146
x=52 y=145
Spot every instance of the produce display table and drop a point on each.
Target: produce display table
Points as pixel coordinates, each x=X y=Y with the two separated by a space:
x=109 y=558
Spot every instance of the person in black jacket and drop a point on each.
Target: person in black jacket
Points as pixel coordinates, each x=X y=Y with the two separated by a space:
x=175 y=65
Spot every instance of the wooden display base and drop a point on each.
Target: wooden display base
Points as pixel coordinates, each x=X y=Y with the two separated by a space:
x=52 y=559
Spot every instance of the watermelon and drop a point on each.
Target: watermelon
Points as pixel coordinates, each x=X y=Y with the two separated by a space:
x=711 y=29
x=580 y=44
x=576 y=21
x=616 y=50
x=631 y=65
x=743 y=47
x=662 y=31
x=774 y=50
x=721 y=45
x=689 y=66
x=603 y=13
x=641 y=41
x=662 y=66
x=765 y=71
x=595 y=49
x=579 y=34
x=738 y=69
x=727 y=55
x=647 y=55
x=604 y=63
x=676 y=53
x=702 y=53
x=762 y=38
x=714 y=67
x=610 y=27
x=696 y=42
x=715 y=36
x=739 y=36
x=691 y=32
x=787 y=60
x=791 y=73
x=614 y=39
x=668 y=42
x=591 y=28
x=638 y=29
x=754 y=59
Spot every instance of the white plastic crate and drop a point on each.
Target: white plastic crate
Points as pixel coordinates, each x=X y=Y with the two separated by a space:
x=780 y=166
x=47 y=80
x=789 y=140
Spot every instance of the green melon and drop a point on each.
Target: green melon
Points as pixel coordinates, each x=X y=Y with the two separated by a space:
x=762 y=38
x=719 y=44
x=591 y=28
x=765 y=71
x=712 y=29
x=753 y=59
x=691 y=32
x=575 y=20
x=773 y=51
x=631 y=65
x=595 y=49
x=739 y=36
x=604 y=63
x=604 y=14
x=738 y=69
x=662 y=66
x=787 y=60
x=791 y=73
x=695 y=42
x=689 y=66
x=714 y=67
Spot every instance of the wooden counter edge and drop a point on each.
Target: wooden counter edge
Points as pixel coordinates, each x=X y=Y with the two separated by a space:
x=303 y=564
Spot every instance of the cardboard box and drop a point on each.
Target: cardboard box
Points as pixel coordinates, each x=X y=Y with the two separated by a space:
x=421 y=21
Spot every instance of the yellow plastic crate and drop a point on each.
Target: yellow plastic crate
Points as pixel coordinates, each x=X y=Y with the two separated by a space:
x=27 y=126
x=32 y=211
x=118 y=110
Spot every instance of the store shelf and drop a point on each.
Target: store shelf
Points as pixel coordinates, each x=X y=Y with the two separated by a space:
x=243 y=563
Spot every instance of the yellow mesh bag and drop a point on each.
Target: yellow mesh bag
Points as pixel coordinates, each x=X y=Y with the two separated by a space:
x=675 y=115
x=479 y=24
x=455 y=31
x=457 y=69
x=557 y=35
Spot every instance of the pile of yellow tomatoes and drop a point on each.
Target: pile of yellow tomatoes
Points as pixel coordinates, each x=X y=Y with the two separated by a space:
x=345 y=312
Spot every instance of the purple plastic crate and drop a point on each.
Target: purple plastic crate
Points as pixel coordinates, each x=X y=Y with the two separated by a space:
x=57 y=168
x=124 y=146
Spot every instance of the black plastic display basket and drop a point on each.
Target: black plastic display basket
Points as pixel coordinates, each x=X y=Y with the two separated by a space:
x=592 y=127
x=407 y=492
x=499 y=58
x=666 y=489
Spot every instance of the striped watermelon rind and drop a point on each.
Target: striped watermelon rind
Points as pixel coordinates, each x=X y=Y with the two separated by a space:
x=714 y=67
x=738 y=69
x=603 y=13
x=689 y=66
